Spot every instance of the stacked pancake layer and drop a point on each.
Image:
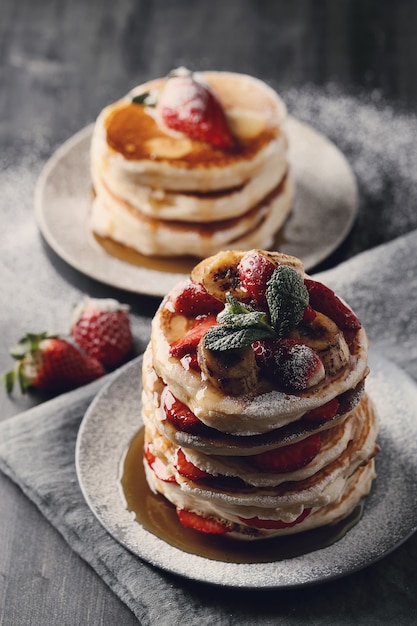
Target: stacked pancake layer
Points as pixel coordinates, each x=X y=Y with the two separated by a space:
x=272 y=460
x=163 y=193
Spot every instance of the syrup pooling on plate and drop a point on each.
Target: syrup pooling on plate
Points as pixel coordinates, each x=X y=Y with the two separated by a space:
x=158 y=517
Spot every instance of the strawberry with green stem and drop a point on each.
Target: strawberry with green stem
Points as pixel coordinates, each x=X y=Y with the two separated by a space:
x=188 y=105
x=50 y=364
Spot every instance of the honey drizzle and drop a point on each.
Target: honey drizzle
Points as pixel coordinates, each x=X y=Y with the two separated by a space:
x=158 y=517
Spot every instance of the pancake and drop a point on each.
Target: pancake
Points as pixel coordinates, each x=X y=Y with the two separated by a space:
x=164 y=193
x=281 y=456
x=323 y=487
x=120 y=221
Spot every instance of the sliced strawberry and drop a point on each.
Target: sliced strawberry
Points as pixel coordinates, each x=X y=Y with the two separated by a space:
x=289 y=458
x=190 y=362
x=193 y=300
x=309 y=314
x=187 y=469
x=254 y=271
x=323 y=413
x=207 y=525
x=323 y=299
x=288 y=363
x=189 y=342
x=157 y=466
x=50 y=364
x=101 y=327
x=179 y=415
x=190 y=107
x=257 y=522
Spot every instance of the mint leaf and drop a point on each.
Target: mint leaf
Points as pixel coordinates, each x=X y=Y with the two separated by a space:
x=148 y=98
x=287 y=297
x=240 y=326
x=236 y=313
x=228 y=338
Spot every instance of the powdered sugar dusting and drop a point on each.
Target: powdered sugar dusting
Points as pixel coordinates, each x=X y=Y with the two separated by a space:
x=379 y=143
x=389 y=515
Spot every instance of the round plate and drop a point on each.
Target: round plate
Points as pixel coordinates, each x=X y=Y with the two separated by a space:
x=389 y=517
x=324 y=209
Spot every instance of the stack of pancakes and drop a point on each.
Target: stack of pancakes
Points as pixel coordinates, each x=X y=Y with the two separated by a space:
x=220 y=446
x=163 y=193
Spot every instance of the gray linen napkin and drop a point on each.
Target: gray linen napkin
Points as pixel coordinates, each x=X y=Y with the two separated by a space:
x=381 y=285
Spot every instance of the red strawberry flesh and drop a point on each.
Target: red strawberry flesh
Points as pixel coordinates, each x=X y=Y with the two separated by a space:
x=157 y=466
x=289 y=363
x=254 y=271
x=207 y=525
x=179 y=415
x=289 y=458
x=323 y=413
x=323 y=299
x=191 y=107
x=187 y=469
x=189 y=342
x=309 y=314
x=193 y=300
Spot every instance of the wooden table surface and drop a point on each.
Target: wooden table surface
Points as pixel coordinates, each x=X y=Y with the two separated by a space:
x=60 y=63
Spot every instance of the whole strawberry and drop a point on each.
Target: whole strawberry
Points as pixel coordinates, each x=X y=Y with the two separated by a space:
x=101 y=327
x=188 y=105
x=50 y=364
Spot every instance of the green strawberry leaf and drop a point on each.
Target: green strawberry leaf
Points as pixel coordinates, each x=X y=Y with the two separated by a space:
x=24 y=382
x=287 y=297
x=29 y=343
x=8 y=381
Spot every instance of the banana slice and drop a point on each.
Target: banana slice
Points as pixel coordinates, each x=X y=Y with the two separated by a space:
x=220 y=273
x=325 y=338
x=234 y=372
x=279 y=258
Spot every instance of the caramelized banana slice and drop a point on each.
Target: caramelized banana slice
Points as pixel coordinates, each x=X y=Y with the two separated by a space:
x=325 y=338
x=220 y=274
x=234 y=372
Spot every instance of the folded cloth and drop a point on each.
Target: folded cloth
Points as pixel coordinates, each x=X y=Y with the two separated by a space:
x=381 y=285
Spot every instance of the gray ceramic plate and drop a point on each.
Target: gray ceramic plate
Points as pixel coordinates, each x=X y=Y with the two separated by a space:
x=325 y=207
x=389 y=517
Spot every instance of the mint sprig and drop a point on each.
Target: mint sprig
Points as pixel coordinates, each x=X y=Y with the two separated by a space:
x=236 y=313
x=287 y=297
x=240 y=325
x=148 y=98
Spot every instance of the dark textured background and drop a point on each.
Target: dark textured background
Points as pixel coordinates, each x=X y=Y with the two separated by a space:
x=348 y=67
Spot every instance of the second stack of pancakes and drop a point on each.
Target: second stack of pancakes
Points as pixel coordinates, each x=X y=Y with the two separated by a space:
x=162 y=193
